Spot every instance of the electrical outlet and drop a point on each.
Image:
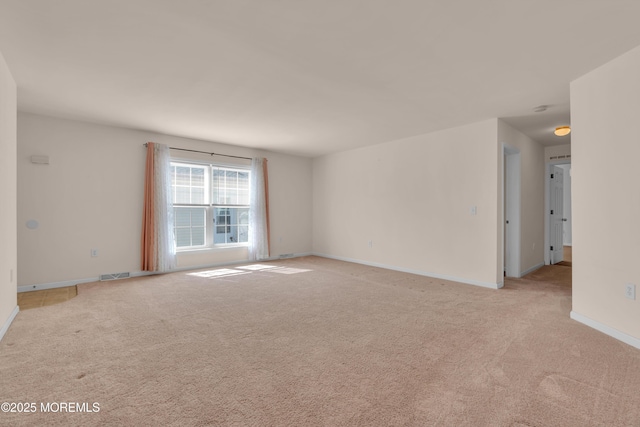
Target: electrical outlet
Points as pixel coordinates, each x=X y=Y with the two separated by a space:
x=94 y=253
x=370 y=243
x=630 y=291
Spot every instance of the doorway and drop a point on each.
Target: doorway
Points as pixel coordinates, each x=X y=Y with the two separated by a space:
x=511 y=205
x=558 y=218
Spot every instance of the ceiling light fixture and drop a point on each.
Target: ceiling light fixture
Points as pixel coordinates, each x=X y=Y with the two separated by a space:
x=562 y=130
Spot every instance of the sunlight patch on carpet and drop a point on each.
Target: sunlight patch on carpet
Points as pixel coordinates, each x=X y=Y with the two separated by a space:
x=257 y=267
x=223 y=272
x=285 y=270
x=247 y=269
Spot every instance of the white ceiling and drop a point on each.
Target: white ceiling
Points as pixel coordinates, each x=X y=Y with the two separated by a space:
x=309 y=77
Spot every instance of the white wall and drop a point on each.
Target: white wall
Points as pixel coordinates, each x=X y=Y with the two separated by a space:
x=90 y=196
x=605 y=106
x=412 y=198
x=8 y=245
x=531 y=195
x=558 y=153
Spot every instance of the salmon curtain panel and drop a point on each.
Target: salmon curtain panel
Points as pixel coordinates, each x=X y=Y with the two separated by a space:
x=259 y=233
x=158 y=247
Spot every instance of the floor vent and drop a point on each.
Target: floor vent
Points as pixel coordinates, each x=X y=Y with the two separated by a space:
x=286 y=256
x=114 y=276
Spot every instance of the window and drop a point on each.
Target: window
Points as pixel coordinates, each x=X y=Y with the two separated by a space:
x=211 y=205
x=231 y=205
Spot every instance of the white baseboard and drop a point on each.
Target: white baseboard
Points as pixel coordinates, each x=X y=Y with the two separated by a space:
x=231 y=263
x=532 y=269
x=614 y=333
x=64 y=284
x=418 y=272
x=9 y=321
x=52 y=285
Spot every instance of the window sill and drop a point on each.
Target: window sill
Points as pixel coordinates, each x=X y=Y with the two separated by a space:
x=212 y=249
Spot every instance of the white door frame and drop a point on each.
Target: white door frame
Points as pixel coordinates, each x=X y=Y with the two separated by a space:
x=547 y=204
x=510 y=195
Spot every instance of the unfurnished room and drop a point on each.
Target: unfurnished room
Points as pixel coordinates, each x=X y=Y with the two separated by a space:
x=319 y=213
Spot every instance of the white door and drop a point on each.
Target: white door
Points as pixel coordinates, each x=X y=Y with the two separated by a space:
x=512 y=213
x=555 y=215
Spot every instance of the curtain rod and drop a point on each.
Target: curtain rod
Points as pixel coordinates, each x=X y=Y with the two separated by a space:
x=206 y=152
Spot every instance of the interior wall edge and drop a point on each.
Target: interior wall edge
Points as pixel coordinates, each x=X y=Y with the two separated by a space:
x=532 y=269
x=607 y=330
x=73 y=282
x=9 y=321
x=413 y=271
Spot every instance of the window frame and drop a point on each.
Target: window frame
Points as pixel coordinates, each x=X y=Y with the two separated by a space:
x=210 y=221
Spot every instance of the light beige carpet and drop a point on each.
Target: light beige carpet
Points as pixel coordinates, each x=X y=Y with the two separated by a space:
x=318 y=342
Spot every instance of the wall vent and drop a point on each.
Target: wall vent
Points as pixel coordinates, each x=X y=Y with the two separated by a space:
x=114 y=276
x=567 y=156
x=286 y=256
